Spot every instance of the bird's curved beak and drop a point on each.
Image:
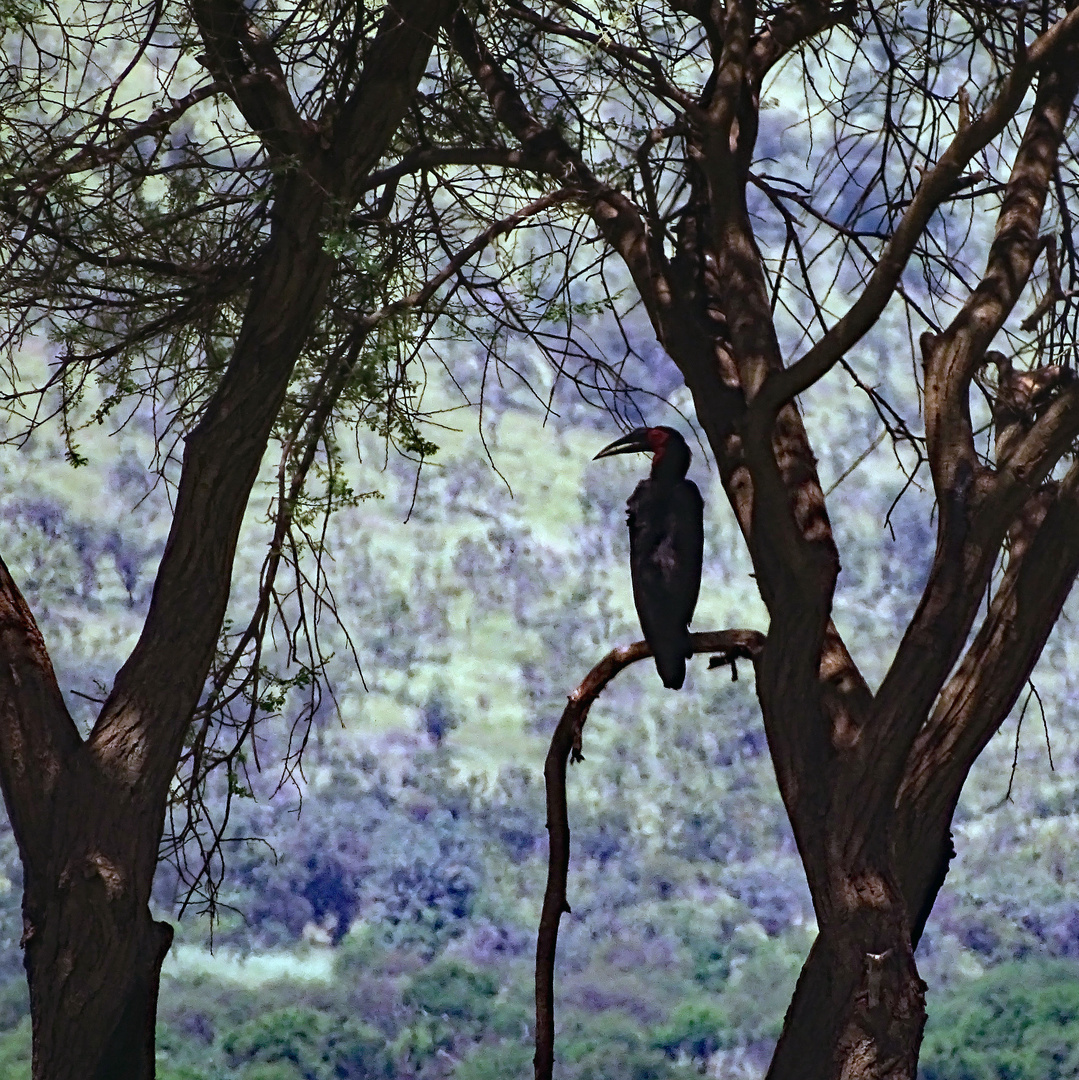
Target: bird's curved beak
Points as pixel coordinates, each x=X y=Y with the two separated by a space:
x=633 y=443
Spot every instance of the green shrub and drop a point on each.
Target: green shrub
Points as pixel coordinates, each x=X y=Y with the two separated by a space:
x=504 y=1061
x=510 y=1018
x=14 y=1002
x=452 y=988
x=289 y=1044
x=420 y=1041
x=182 y=1072
x=281 y=1034
x=15 y=1052
x=273 y=1070
x=296 y=1036
x=612 y=1047
x=760 y=986
x=696 y=1028
x=360 y=1051
x=1019 y=1021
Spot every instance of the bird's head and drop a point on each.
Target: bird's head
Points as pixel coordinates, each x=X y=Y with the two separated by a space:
x=666 y=446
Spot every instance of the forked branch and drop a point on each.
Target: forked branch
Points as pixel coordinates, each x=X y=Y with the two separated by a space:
x=976 y=507
x=954 y=357
x=241 y=59
x=788 y=28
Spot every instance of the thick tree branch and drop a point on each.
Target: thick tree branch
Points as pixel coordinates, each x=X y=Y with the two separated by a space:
x=566 y=745
x=787 y=29
x=242 y=60
x=730 y=67
x=1042 y=567
x=141 y=726
x=936 y=184
x=424 y=159
x=975 y=509
x=952 y=358
x=1049 y=439
x=140 y=730
x=391 y=72
x=38 y=738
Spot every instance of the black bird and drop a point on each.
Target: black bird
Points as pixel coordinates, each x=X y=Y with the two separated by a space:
x=666 y=546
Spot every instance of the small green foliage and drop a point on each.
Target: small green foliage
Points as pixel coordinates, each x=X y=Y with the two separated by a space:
x=185 y=1072
x=274 y=688
x=237 y=787
x=123 y=387
x=613 y=1045
x=293 y=1035
x=336 y=243
x=273 y=1070
x=420 y=1041
x=360 y=1051
x=17 y=14
x=15 y=1052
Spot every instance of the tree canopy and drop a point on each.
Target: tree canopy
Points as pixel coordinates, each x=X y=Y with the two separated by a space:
x=256 y=225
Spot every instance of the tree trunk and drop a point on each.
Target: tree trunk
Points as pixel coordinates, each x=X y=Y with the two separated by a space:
x=100 y=1025
x=93 y=953
x=88 y=814
x=869 y=781
x=856 y=1013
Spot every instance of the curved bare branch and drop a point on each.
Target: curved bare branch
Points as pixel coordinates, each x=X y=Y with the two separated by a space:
x=731 y=645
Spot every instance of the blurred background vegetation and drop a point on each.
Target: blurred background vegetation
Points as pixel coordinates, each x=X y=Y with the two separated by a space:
x=378 y=907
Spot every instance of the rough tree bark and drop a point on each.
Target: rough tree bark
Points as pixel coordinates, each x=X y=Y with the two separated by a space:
x=88 y=814
x=869 y=781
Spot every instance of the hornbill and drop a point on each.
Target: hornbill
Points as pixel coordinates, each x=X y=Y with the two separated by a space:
x=666 y=546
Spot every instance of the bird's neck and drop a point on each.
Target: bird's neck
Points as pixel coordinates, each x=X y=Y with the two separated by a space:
x=670 y=466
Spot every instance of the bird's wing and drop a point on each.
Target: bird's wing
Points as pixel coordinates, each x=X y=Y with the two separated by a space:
x=687 y=509
x=666 y=539
x=651 y=556
x=665 y=559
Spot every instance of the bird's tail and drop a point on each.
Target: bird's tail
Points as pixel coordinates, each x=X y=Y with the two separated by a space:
x=671 y=666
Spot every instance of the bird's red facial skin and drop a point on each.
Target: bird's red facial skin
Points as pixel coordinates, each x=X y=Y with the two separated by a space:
x=657 y=438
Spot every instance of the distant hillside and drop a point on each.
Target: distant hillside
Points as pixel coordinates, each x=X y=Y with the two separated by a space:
x=414 y=834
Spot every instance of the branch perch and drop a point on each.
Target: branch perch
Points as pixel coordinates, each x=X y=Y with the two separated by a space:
x=730 y=645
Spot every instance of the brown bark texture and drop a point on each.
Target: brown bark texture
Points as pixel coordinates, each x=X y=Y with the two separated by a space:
x=869 y=780
x=88 y=814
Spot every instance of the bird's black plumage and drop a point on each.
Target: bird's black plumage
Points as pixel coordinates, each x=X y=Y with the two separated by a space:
x=666 y=546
